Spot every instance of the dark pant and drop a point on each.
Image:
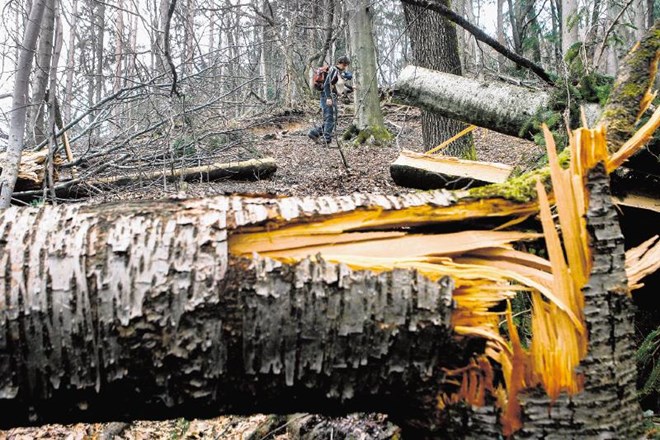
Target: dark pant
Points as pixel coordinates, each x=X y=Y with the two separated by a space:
x=329 y=121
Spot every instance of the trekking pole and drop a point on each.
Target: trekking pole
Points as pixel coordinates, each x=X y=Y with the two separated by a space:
x=341 y=153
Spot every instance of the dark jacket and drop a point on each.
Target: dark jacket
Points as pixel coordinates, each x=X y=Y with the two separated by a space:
x=329 y=84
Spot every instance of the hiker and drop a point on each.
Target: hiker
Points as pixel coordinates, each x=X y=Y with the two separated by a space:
x=329 y=101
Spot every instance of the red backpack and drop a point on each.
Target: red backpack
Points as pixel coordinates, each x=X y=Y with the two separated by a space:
x=318 y=77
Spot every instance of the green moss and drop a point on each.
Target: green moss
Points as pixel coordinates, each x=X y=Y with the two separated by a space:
x=522 y=188
x=378 y=135
x=518 y=189
x=580 y=87
x=634 y=79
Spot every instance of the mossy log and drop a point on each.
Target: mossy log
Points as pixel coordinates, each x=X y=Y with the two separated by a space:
x=631 y=94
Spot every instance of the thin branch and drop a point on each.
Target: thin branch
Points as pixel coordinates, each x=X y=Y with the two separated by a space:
x=607 y=33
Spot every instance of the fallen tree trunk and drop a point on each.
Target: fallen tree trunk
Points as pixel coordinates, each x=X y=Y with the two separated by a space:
x=424 y=171
x=253 y=169
x=500 y=107
x=134 y=310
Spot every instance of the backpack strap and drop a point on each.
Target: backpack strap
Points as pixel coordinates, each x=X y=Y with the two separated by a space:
x=330 y=80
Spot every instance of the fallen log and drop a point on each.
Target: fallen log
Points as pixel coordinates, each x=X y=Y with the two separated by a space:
x=146 y=315
x=253 y=169
x=496 y=106
x=508 y=109
x=152 y=309
x=425 y=171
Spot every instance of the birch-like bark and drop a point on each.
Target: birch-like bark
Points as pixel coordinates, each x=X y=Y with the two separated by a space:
x=19 y=103
x=500 y=107
x=136 y=310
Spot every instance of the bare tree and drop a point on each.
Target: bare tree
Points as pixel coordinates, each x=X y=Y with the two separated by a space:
x=19 y=103
x=71 y=59
x=35 y=126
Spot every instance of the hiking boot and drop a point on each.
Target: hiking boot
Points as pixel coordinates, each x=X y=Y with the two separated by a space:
x=316 y=139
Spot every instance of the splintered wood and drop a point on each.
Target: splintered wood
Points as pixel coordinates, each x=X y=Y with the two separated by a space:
x=489 y=268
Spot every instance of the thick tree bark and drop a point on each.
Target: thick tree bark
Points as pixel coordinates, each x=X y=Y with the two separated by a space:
x=499 y=107
x=608 y=406
x=609 y=368
x=135 y=310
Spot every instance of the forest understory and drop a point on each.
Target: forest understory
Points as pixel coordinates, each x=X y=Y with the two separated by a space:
x=305 y=168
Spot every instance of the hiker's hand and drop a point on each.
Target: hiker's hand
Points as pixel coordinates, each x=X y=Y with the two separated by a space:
x=328 y=102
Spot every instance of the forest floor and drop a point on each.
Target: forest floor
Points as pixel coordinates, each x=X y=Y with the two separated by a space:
x=304 y=169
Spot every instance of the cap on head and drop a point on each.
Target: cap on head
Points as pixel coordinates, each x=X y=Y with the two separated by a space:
x=343 y=60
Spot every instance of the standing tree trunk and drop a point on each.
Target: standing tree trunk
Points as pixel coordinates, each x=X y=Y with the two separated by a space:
x=368 y=114
x=639 y=13
x=36 y=122
x=569 y=25
x=19 y=103
x=119 y=46
x=70 y=63
x=435 y=46
x=515 y=27
x=188 y=55
x=500 y=33
x=99 y=25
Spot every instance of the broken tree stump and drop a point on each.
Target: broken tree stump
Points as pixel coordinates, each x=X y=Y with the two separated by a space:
x=33 y=168
x=425 y=171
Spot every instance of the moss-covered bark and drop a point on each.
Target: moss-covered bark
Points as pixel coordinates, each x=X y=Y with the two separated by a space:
x=631 y=89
